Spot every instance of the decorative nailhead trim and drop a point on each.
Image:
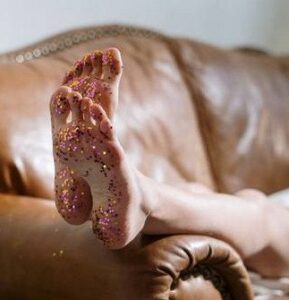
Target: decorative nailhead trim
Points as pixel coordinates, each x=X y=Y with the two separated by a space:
x=67 y=40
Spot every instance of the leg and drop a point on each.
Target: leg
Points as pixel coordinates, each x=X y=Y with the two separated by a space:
x=176 y=211
x=257 y=228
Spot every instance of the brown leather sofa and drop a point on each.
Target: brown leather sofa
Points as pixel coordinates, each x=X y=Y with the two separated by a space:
x=188 y=112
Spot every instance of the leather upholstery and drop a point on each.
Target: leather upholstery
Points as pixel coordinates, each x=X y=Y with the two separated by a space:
x=49 y=259
x=242 y=98
x=188 y=112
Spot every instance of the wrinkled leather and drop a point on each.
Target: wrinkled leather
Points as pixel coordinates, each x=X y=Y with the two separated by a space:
x=242 y=98
x=49 y=259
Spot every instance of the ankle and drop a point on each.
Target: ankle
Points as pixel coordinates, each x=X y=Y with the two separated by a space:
x=147 y=192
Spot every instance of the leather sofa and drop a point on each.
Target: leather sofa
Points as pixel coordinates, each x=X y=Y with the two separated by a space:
x=188 y=112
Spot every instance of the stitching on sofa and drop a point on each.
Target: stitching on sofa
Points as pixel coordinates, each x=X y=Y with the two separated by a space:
x=72 y=38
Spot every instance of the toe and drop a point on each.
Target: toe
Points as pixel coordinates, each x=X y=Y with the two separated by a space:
x=78 y=68
x=102 y=120
x=87 y=65
x=96 y=59
x=68 y=77
x=86 y=103
x=112 y=65
x=97 y=113
x=105 y=127
x=59 y=106
x=74 y=99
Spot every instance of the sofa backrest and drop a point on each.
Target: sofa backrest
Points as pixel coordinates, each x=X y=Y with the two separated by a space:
x=156 y=121
x=187 y=112
x=242 y=99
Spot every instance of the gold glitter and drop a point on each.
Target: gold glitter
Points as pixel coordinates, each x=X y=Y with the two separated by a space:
x=60 y=252
x=104 y=166
x=54 y=254
x=104 y=152
x=84 y=107
x=74 y=84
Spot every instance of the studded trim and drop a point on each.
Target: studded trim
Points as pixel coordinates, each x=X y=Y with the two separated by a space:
x=72 y=38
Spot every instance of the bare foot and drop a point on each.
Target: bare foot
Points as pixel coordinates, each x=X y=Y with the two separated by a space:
x=90 y=151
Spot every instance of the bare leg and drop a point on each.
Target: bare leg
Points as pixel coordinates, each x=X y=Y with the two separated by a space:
x=222 y=216
x=256 y=228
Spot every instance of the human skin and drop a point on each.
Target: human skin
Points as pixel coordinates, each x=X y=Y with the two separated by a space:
x=95 y=180
x=255 y=227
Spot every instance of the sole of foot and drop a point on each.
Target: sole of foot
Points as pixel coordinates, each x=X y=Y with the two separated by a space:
x=98 y=182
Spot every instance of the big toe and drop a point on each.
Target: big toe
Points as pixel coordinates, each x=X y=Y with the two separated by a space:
x=112 y=65
x=74 y=99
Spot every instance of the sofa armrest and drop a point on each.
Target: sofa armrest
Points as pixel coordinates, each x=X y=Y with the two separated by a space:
x=42 y=257
x=186 y=262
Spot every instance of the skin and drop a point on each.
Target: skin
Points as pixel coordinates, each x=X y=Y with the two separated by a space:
x=95 y=181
